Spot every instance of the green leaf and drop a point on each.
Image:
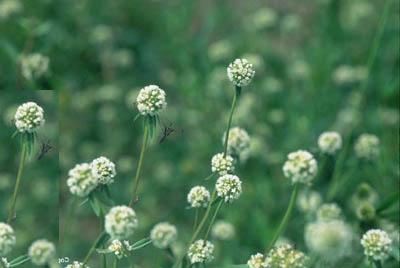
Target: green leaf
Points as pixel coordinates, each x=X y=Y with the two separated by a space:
x=95 y=204
x=19 y=260
x=140 y=244
x=388 y=202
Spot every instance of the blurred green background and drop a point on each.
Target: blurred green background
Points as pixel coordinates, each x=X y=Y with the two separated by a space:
x=102 y=52
x=38 y=198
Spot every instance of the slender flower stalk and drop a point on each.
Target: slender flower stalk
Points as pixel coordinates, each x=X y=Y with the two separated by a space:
x=234 y=100
x=213 y=218
x=286 y=217
x=17 y=183
x=139 y=166
x=93 y=247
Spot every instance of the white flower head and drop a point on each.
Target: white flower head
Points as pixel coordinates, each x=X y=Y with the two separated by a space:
x=330 y=142
x=228 y=187
x=223 y=230
x=77 y=264
x=240 y=72
x=29 y=117
x=151 y=100
x=103 y=170
x=256 y=261
x=117 y=248
x=163 y=235
x=309 y=201
x=367 y=146
x=222 y=165
x=198 y=196
x=121 y=222
x=238 y=142
x=201 y=251
x=81 y=180
x=300 y=167
x=376 y=244
x=5 y=262
x=34 y=66
x=7 y=239
x=329 y=211
x=330 y=240
x=41 y=252
x=285 y=256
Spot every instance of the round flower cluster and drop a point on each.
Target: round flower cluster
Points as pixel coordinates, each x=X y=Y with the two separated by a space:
x=300 y=167
x=121 y=222
x=29 y=117
x=7 y=239
x=376 y=244
x=103 y=170
x=285 y=256
x=228 y=187
x=365 y=211
x=330 y=142
x=117 y=248
x=329 y=239
x=223 y=230
x=222 y=165
x=238 y=142
x=81 y=180
x=198 y=196
x=240 y=72
x=367 y=146
x=309 y=201
x=77 y=264
x=201 y=251
x=329 y=211
x=151 y=100
x=163 y=235
x=34 y=66
x=41 y=252
x=256 y=261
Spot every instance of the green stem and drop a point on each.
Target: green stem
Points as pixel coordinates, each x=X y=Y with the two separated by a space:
x=335 y=181
x=213 y=218
x=139 y=166
x=286 y=217
x=92 y=248
x=235 y=96
x=17 y=183
x=196 y=219
x=378 y=264
x=204 y=219
x=115 y=265
x=67 y=220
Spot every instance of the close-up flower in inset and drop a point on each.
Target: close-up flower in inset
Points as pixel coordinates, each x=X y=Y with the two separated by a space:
x=151 y=100
x=121 y=222
x=29 y=117
x=240 y=72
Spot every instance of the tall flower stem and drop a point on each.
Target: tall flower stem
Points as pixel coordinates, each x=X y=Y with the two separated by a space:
x=204 y=219
x=213 y=218
x=235 y=96
x=286 y=217
x=93 y=247
x=17 y=182
x=378 y=264
x=139 y=166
